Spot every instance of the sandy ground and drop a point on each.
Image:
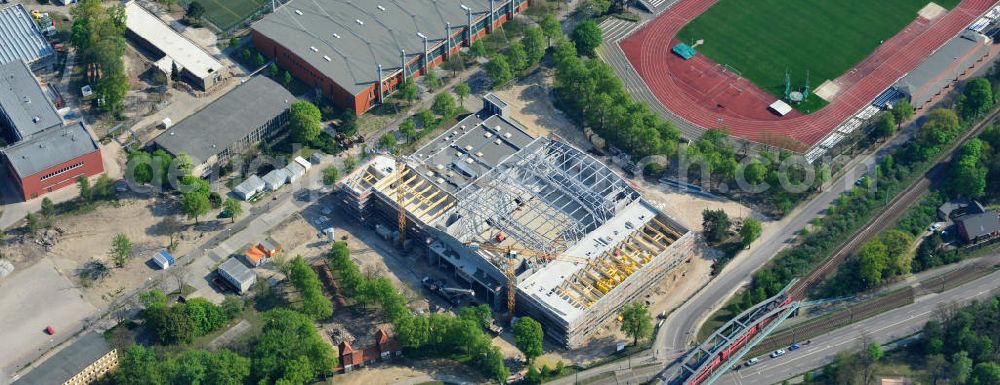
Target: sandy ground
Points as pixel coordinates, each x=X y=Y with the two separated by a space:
x=403 y=371
x=827 y=90
x=32 y=299
x=931 y=11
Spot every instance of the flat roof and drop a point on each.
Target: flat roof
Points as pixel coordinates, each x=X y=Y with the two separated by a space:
x=368 y=35
x=49 y=148
x=469 y=149
x=20 y=38
x=237 y=269
x=67 y=362
x=182 y=51
x=24 y=102
x=227 y=120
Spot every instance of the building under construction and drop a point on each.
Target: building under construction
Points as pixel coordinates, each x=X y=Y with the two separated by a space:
x=486 y=201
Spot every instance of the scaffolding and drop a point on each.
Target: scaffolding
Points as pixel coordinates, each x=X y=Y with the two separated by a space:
x=552 y=185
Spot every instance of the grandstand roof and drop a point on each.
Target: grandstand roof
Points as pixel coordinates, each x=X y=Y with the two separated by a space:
x=20 y=38
x=182 y=51
x=368 y=35
x=935 y=69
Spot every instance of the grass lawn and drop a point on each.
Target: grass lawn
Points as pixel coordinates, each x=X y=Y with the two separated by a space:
x=763 y=38
x=226 y=13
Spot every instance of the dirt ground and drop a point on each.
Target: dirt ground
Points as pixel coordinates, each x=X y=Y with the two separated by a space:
x=87 y=237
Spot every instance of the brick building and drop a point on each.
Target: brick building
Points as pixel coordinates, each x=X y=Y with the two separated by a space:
x=356 y=54
x=44 y=154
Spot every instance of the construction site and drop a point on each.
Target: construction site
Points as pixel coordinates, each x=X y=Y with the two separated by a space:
x=531 y=226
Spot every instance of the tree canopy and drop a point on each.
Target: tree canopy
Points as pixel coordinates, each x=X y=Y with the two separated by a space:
x=587 y=36
x=528 y=337
x=305 y=121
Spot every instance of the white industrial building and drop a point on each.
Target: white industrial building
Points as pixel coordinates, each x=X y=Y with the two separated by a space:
x=589 y=241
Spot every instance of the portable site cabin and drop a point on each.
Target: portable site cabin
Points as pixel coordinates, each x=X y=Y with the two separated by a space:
x=303 y=162
x=237 y=274
x=275 y=179
x=163 y=259
x=294 y=172
x=250 y=187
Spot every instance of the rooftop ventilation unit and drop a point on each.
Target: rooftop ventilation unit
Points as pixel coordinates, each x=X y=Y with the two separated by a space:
x=381 y=8
x=313 y=49
x=359 y=21
x=327 y=58
x=336 y=36
x=298 y=12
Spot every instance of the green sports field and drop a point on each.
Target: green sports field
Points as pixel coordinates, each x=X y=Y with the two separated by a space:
x=761 y=38
x=227 y=13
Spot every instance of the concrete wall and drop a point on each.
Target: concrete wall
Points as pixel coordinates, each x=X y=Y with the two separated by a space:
x=32 y=186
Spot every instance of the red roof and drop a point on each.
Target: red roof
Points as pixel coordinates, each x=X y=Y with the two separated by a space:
x=345 y=347
x=382 y=337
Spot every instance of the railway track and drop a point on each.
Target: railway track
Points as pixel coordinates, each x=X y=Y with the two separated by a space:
x=892 y=211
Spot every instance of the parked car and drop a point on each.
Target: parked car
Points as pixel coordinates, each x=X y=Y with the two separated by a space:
x=935 y=227
x=752 y=362
x=778 y=353
x=794 y=347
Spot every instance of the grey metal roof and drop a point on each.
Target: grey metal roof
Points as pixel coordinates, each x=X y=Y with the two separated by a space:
x=250 y=186
x=67 y=362
x=448 y=156
x=355 y=56
x=228 y=119
x=238 y=270
x=24 y=102
x=276 y=177
x=977 y=225
x=20 y=38
x=934 y=68
x=49 y=148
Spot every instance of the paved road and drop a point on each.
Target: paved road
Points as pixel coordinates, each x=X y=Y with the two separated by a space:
x=883 y=328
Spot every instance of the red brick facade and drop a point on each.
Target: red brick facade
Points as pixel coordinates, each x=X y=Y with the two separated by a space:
x=51 y=179
x=367 y=98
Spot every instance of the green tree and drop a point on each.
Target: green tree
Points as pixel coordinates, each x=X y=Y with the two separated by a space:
x=499 y=71
x=206 y=316
x=478 y=49
x=940 y=127
x=755 y=173
x=462 y=90
x=898 y=244
x=873 y=260
x=408 y=91
x=903 y=111
x=387 y=142
x=534 y=45
x=517 y=57
x=968 y=178
x=289 y=350
x=600 y=7
x=350 y=162
x=305 y=121
x=330 y=175
x=551 y=27
x=48 y=208
x=444 y=104
x=85 y=191
x=937 y=366
x=409 y=129
x=313 y=302
x=273 y=70
x=976 y=99
x=431 y=80
x=195 y=10
x=286 y=78
x=960 y=368
x=716 y=225
x=121 y=249
x=750 y=231
x=528 y=337
x=234 y=42
x=426 y=118
x=636 y=322
x=885 y=126
x=138 y=366
x=31 y=223
x=153 y=299
x=986 y=373
x=233 y=208
x=140 y=163
x=587 y=36
x=195 y=204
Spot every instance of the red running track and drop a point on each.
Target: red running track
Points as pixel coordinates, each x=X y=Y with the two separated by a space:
x=704 y=94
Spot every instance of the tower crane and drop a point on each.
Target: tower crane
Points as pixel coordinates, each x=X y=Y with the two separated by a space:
x=400 y=170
